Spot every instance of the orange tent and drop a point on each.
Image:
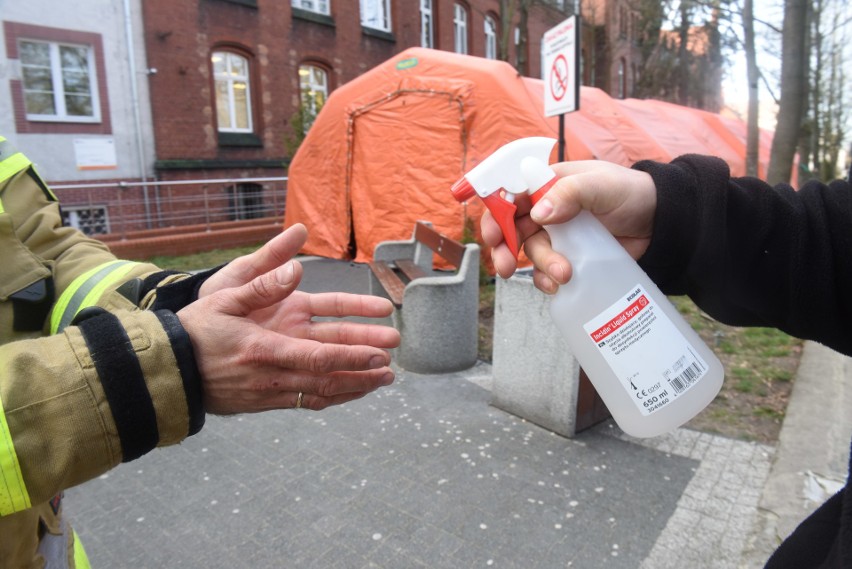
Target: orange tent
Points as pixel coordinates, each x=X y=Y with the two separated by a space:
x=387 y=146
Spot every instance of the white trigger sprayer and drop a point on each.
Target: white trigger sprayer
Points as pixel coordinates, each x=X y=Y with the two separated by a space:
x=649 y=366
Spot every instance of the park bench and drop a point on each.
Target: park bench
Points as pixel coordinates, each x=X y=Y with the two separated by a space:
x=437 y=311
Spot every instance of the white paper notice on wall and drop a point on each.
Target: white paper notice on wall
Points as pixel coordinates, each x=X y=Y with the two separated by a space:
x=95 y=153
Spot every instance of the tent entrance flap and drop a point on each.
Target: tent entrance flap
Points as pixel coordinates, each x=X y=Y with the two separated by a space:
x=395 y=176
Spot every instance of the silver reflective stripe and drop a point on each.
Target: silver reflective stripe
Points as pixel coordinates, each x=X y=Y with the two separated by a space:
x=81 y=288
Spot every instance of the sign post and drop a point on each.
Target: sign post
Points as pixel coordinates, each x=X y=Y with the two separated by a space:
x=561 y=58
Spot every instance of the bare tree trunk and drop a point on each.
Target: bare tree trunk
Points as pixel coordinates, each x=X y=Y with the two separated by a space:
x=793 y=81
x=683 y=55
x=523 y=37
x=753 y=138
x=815 y=39
x=507 y=15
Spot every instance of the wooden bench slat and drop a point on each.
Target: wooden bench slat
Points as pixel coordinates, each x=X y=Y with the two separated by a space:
x=386 y=272
x=388 y=279
x=448 y=248
x=410 y=269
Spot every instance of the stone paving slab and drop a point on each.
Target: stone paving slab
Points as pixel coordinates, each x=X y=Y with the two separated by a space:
x=424 y=473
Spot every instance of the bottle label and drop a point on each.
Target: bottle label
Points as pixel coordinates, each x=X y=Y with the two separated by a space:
x=651 y=358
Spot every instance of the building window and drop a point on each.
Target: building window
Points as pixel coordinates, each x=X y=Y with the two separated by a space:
x=313 y=88
x=427 y=32
x=59 y=81
x=376 y=14
x=91 y=220
x=490 y=37
x=317 y=6
x=233 y=95
x=460 y=28
x=634 y=79
x=245 y=201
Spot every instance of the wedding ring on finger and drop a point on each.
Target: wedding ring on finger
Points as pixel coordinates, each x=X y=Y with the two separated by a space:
x=299 y=400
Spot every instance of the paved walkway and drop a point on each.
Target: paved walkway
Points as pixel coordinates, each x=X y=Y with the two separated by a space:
x=425 y=473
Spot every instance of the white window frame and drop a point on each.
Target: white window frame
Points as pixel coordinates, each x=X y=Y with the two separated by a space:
x=459 y=28
x=316 y=6
x=376 y=14
x=308 y=88
x=490 y=37
x=61 y=114
x=230 y=79
x=427 y=24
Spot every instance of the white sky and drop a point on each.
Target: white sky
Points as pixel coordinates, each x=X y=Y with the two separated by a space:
x=735 y=86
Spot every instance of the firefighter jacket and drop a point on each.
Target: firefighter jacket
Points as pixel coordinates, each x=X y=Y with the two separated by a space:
x=95 y=368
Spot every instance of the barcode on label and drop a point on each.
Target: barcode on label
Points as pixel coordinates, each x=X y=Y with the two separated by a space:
x=689 y=376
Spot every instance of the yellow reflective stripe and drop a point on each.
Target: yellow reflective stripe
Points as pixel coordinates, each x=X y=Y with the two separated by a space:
x=81 y=560
x=13 y=491
x=85 y=291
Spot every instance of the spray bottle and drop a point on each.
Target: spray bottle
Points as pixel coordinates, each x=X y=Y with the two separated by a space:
x=649 y=366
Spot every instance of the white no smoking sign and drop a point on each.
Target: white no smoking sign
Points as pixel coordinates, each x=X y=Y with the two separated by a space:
x=560 y=67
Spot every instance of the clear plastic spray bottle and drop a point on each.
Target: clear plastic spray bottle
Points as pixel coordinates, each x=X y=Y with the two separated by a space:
x=649 y=366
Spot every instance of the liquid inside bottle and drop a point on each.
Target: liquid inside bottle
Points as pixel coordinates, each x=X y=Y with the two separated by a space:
x=650 y=367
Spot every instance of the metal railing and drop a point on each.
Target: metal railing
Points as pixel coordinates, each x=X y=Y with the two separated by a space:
x=123 y=207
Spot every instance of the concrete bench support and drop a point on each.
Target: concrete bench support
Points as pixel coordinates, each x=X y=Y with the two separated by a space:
x=535 y=375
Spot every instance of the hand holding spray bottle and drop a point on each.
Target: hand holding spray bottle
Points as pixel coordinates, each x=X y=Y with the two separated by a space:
x=649 y=366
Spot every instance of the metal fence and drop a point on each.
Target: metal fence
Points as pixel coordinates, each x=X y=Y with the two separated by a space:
x=124 y=207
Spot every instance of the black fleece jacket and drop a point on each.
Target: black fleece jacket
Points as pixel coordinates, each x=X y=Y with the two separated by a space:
x=750 y=254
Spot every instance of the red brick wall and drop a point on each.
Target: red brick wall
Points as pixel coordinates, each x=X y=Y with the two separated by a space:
x=180 y=37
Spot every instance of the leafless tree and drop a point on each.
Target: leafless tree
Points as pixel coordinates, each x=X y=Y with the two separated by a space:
x=753 y=74
x=794 y=54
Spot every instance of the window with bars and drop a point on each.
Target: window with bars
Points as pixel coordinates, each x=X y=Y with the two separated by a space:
x=91 y=220
x=245 y=201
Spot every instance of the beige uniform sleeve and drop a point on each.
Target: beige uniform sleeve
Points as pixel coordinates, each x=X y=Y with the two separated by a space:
x=104 y=390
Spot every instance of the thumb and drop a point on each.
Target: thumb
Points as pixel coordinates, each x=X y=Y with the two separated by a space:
x=263 y=291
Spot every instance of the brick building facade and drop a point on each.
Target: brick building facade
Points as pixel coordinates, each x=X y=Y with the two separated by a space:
x=208 y=53
x=218 y=90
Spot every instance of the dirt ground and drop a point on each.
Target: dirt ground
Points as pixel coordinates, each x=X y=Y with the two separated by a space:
x=760 y=366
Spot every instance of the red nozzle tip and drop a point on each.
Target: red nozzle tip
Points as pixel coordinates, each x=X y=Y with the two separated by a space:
x=462 y=190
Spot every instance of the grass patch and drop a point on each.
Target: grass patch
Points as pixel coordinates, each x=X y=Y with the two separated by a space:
x=204 y=260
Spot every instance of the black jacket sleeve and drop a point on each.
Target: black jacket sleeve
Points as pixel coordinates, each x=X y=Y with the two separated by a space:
x=750 y=254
